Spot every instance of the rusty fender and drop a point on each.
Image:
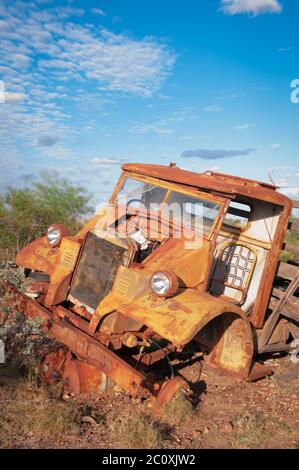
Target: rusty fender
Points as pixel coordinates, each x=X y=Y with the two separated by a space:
x=195 y=315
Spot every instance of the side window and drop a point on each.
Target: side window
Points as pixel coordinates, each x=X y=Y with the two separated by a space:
x=238 y=215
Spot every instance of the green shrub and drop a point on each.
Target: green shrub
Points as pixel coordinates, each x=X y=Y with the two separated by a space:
x=26 y=213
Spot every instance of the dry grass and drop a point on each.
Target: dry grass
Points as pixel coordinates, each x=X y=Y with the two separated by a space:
x=178 y=410
x=256 y=430
x=49 y=418
x=252 y=433
x=30 y=411
x=137 y=431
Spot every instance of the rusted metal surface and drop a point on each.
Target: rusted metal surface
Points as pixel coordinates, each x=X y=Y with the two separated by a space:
x=62 y=272
x=179 y=260
x=229 y=186
x=258 y=371
x=150 y=358
x=99 y=299
x=225 y=183
x=82 y=345
x=76 y=376
x=171 y=388
x=39 y=256
x=37 y=288
x=96 y=270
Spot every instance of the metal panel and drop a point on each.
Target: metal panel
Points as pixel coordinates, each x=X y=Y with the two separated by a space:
x=96 y=270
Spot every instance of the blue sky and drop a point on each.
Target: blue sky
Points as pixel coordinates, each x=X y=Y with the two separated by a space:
x=91 y=84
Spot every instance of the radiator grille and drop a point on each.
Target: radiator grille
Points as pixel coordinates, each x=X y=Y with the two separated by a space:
x=96 y=270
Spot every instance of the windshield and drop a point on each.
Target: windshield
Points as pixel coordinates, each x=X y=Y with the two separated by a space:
x=181 y=208
x=140 y=195
x=195 y=212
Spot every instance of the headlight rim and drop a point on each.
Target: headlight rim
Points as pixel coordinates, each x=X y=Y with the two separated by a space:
x=62 y=233
x=173 y=283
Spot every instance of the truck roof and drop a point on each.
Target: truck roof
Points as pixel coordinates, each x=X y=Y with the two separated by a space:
x=212 y=181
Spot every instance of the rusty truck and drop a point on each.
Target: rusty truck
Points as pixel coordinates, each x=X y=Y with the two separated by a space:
x=131 y=291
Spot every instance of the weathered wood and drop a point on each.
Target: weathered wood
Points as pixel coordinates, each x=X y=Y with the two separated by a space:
x=277 y=311
x=287 y=271
x=290 y=314
x=277 y=293
x=294 y=226
x=291 y=248
x=275 y=347
x=290 y=309
x=294 y=330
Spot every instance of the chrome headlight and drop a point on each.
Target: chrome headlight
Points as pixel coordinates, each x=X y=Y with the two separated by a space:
x=164 y=283
x=55 y=234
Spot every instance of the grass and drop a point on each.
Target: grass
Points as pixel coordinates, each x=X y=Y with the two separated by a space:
x=49 y=418
x=293 y=239
x=178 y=410
x=256 y=430
x=252 y=434
x=30 y=411
x=137 y=431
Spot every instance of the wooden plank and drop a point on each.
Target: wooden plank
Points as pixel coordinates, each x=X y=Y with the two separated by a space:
x=290 y=309
x=277 y=293
x=295 y=203
x=287 y=271
x=294 y=226
x=280 y=304
x=275 y=347
x=294 y=330
x=289 y=313
x=291 y=248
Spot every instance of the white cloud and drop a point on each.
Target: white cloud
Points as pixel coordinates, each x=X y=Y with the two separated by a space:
x=147 y=128
x=13 y=97
x=164 y=125
x=104 y=161
x=291 y=191
x=98 y=12
x=275 y=146
x=193 y=137
x=213 y=109
x=66 y=12
x=283 y=49
x=255 y=7
x=245 y=125
x=282 y=168
x=58 y=68
x=230 y=94
x=73 y=51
